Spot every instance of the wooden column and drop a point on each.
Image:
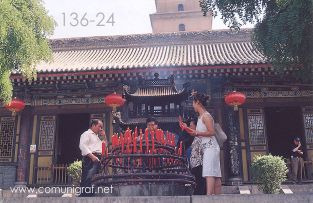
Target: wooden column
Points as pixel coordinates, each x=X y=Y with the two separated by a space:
x=233 y=151
x=23 y=151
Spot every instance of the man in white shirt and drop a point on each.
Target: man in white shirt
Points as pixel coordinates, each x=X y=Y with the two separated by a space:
x=91 y=148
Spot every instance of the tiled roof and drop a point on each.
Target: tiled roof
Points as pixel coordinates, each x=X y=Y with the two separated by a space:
x=146 y=51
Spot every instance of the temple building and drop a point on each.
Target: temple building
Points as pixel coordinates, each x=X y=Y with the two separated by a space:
x=38 y=143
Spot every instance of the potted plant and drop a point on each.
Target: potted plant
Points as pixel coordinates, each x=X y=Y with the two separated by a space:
x=74 y=170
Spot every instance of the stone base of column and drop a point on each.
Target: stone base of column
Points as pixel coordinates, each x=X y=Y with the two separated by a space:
x=234 y=181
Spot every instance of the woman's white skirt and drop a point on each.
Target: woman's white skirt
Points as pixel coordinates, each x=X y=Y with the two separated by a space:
x=211 y=162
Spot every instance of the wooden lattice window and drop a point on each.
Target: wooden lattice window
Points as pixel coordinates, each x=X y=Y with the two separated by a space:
x=46 y=133
x=256 y=127
x=308 y=127
x=7 y=127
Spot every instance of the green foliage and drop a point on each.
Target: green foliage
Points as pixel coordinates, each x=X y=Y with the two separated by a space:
x=24 y=26
x=285 y=36
x=5 y=84
x=283 y=31
x=75 y=172
x=269 y=172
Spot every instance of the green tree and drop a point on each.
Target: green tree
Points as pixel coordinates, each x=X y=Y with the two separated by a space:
x=24 y=26
x=283 y=31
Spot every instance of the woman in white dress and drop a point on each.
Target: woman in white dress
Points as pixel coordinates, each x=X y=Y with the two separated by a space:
x=205 y=133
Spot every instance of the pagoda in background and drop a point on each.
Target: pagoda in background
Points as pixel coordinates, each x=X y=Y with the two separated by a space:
x=179 y=16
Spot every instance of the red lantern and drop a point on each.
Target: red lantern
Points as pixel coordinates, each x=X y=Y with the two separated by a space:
x=15 y=106
x=235 y=99
x=114 y=100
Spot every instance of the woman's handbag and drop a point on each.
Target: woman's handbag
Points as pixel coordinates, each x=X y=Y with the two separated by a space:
x=219 y=134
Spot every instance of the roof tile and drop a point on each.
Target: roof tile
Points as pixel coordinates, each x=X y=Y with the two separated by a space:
x=144 y=51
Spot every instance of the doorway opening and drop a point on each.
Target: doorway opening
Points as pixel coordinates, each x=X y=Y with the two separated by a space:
x=71 y=126
x=283 y=125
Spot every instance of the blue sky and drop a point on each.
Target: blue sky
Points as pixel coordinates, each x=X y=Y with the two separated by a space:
x=77 y=18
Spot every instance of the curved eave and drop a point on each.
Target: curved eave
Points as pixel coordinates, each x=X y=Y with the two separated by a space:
x=181 y=95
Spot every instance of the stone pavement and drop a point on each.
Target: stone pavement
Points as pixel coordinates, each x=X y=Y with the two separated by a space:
x=234 y=198
x=231 y=194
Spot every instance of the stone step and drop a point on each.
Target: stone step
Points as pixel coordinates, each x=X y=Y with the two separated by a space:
x=277 y=198
x=245 y=189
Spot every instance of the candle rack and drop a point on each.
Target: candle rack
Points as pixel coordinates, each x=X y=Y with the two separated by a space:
x=145 y=164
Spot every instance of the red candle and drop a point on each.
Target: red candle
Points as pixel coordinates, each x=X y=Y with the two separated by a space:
x=126 y=139
x=180 y=148
x=127 y=146
x=135 y=144
x=162 y=137
x=170 y=138
x=147 y=140
x=157 y=135
x=146 y=132
x=114 y=140
x=149 y=159
x=152 y=138
x=155 y=160
x=140 y=141
x=122 y=142
x=135 y=140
